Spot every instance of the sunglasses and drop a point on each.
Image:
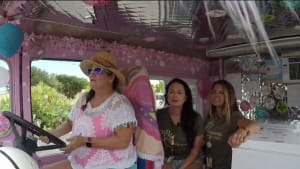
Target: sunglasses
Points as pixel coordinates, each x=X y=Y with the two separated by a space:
x=98 y=71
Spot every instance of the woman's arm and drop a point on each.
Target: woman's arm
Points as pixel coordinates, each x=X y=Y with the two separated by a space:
x=120 y=140
x=61 y=130
x=190 y=159
x=246 y=127
x=249 y=125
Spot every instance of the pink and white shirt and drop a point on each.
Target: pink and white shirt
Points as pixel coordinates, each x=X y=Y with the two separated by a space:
x=101 y=122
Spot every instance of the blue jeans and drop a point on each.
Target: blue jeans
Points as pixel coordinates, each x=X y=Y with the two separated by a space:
x=176 y=163
x=134 y=166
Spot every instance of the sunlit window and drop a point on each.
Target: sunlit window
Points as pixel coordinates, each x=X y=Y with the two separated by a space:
x=196 y=98
x=4 y=87
x=158 y=87
x=55 y=86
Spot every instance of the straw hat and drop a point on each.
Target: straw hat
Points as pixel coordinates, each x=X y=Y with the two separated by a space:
x=108 y=61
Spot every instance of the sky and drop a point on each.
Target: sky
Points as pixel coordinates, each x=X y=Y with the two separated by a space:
x=55 y=67
x=3 y=64
x=3 y=89
x=65 y=67
x=60 y=67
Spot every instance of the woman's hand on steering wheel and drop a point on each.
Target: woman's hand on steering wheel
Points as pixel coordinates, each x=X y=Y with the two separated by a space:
x=44 y=139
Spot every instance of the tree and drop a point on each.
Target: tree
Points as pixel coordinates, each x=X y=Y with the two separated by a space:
x=4 y=102
x=49 y=107
x=71 y=85
x=38 y=75
x=68 y=85
x=159 y=87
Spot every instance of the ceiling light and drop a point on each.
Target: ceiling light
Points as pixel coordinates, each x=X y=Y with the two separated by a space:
x=234 y=36
x=297 y=27
x=216 y=13
x=152 y=38
x=184 y=30
x=204 y=39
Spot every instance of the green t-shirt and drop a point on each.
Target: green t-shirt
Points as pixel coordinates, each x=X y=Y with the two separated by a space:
x=217 y=133
x=173 y=137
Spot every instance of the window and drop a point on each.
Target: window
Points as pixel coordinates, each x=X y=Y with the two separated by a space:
x=55 y=86
x=158 y=87
x=195 y=95
x=4 y=87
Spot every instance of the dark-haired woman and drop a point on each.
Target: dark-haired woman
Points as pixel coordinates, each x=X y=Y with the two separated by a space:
x=181 y=128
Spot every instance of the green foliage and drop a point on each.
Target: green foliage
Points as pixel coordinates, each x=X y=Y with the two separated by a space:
x=51 y=96
x=49 y=107
x=158 y=88
x=71 y=85
x=38 y=75
x=4 y=102
x=65 y=84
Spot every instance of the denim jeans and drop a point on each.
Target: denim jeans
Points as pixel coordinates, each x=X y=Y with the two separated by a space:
x=176 y=163
x=134 y=166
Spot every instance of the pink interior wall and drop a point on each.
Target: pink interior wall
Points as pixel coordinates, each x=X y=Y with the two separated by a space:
x=156 y=62
x=38 y=47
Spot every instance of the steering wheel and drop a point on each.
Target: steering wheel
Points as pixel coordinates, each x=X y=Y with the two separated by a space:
x=26 y=142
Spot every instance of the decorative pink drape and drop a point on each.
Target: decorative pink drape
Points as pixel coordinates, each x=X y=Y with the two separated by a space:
x=96 y=2
x=147 y=137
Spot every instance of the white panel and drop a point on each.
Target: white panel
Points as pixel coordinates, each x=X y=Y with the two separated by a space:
x=286 y=66
x=276 y=146
x=293 y=94
x=253 y=159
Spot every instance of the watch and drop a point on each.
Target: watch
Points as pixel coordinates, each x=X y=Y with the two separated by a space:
x=89 y=142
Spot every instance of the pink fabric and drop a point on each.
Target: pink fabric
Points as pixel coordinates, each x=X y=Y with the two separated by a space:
x=82 y=157
x=143 y=103
x=141 y=96
x=96 y=2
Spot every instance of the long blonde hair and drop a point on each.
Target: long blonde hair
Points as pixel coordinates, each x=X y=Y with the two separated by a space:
x=230 y=104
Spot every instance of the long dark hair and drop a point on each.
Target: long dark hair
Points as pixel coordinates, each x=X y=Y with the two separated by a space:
x=188 y=114
x=230 y=103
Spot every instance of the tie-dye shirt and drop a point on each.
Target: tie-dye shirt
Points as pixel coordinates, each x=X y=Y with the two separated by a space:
x=101 y=122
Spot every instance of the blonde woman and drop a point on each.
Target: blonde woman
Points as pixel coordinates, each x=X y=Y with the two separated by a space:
x=225 y=126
